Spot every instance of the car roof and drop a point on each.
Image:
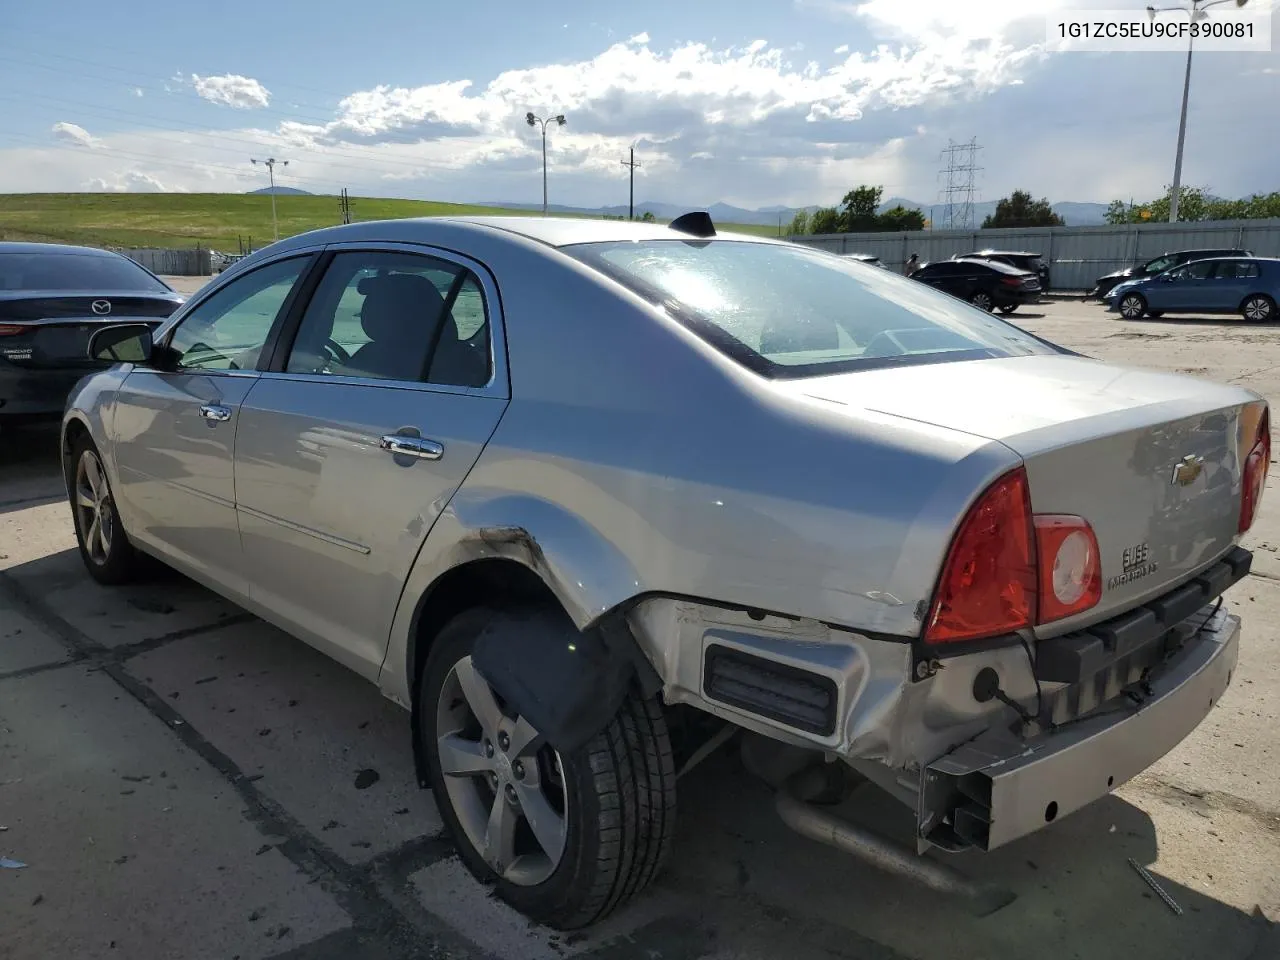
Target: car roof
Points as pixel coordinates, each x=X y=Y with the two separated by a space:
x=1001 y=253
x=53 y=249
x=1000 y=267
x=554 y=231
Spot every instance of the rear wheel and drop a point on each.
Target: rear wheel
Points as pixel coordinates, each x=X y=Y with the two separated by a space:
x=1008 y=308
x=1258 y=308
x=104 y=547
x=1133 y=306
x=564 y=838
x=981 y=300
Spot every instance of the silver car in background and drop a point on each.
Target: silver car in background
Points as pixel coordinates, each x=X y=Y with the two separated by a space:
x=554 y=485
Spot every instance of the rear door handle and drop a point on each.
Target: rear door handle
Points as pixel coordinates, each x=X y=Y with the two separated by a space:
x=215 y=413
x=420 y=447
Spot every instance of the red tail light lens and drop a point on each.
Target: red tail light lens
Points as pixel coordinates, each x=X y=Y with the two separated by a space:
x=988 y=583
x=12 y=329
x=1011 y=281
x=1070 y=569
x=1254 y=479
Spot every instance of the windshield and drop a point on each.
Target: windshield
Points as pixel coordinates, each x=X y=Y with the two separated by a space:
x=1158 y=265
x=71 y=271
x=785 y=310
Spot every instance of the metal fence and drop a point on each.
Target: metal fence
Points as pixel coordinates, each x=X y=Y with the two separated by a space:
x=176 y=263
x=1077 y=256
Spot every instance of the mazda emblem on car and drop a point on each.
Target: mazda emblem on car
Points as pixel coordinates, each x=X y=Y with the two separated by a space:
x=1186 y=470
x=101 y=307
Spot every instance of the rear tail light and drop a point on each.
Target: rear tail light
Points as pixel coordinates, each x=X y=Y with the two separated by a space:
x=1254 y=479
x=1070 y=569
x=1011 y=281
x=1007 y=569
x=12 y=329
x=988 y=583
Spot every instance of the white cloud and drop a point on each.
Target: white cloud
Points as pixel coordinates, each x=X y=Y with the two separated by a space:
x=137 y=91
x=843 y=48
x=232 y=90
x=130 y=181
x=73 y=133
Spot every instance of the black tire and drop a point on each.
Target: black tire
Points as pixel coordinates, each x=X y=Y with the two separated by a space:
x=1008 y=308
x=1258 y=308
x=111 y=559
x=622 y=785
x=1132 y=306
x=1155 y=314
x=982 y=300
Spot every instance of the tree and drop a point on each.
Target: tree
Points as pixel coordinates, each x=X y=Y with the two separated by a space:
x=859 y=208
x=900 y=218
x=800 y=223
x=825 y=220
x=1020 y=210
x=648 y=217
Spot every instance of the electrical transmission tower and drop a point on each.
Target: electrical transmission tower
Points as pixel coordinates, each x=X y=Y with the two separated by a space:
x=960 y=169
x=632 y=163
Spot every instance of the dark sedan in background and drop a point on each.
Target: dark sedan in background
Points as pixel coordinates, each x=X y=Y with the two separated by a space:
x=987 y=284
x=1166 y=261
x=1018 y=259
x=52 y=298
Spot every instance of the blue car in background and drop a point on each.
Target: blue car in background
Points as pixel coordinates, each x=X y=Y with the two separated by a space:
x=1249 y=286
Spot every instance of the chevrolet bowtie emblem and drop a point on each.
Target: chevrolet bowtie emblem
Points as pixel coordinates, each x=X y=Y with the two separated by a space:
x=1186 y=470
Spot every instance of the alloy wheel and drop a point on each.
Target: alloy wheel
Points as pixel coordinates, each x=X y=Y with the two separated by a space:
x=1131 y=307
x=505 y=784
x=1257 y=309
x=982 y=301
x=93 y=508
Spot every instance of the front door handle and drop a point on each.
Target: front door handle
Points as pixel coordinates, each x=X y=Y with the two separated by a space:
x=215 y=412
x=420 y=447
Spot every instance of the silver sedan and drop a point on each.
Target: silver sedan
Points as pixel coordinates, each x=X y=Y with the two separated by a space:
x=590 y=498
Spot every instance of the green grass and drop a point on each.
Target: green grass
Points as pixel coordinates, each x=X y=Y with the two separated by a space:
x=218 y=220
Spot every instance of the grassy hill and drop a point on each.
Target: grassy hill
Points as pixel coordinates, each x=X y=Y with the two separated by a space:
x=218 y=220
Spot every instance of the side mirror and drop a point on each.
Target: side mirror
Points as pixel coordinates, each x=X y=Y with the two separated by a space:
x=122 y=343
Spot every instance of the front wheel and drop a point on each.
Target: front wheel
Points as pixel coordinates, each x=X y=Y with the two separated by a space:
x=564 y=838
x=1132 y=306
x=982 y=301
x=1258 y=308
x=104 y=547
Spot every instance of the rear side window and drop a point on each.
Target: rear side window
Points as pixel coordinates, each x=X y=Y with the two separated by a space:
x=70 y=271
x=382 y=315
x=1238 y=270
x=785 y=310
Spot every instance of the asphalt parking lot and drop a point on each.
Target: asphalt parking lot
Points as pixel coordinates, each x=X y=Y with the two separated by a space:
x=183 y=781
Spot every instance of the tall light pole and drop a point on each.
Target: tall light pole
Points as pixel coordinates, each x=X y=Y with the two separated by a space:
x=1196 y=11
x=533 y=121
x=270 y=164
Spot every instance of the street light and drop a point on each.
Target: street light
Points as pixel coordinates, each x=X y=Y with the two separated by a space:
x=533 y=121
x=270 y=164
x=1196 y=11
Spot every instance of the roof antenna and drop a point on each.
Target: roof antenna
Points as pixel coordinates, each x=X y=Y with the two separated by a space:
x=696 y=224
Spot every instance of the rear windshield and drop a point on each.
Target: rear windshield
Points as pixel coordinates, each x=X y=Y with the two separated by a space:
x=70 y=271
x=785 y=310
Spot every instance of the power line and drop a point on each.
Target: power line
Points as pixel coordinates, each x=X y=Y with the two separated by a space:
x=960 y=170
x=632 y=163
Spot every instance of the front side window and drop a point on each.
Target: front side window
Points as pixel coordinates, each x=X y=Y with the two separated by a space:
x=228 y=330
x=385 y=315
x=785 y=310
x=1201 y=270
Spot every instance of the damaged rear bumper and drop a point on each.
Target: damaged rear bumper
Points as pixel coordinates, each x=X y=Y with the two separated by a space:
x=999 y=787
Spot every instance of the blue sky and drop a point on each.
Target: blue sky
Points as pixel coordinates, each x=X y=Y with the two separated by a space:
x=754 y=102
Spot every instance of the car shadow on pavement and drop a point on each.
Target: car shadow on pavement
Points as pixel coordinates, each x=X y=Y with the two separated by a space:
x=29 y=472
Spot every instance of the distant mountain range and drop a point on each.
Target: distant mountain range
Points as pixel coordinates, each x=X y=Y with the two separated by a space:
x=283 y=192
x=1075 y=214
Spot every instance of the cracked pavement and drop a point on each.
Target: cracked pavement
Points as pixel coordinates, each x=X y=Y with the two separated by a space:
x=183 y=780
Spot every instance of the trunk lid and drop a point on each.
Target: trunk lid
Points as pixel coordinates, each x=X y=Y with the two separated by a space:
x=52 y=330
x=1102 y=442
